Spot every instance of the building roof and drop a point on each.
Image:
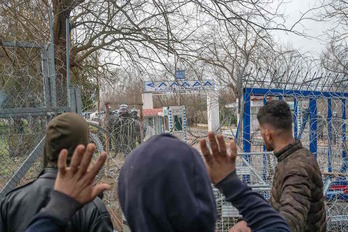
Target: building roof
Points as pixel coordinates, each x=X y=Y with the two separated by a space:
x=151 y=112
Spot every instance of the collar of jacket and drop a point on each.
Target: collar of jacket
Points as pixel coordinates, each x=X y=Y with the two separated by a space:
x=49 y=173
x=288 y=150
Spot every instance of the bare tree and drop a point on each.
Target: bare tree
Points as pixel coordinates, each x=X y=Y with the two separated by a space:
x=149 y=35
x=335 y=58
x=229 y=52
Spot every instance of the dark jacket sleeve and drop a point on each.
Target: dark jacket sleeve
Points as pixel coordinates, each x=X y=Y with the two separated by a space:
x=256 y=211
x=102 y=221
x=46 y=223
x=56 y=215
x=2 y=216
x=295 y=199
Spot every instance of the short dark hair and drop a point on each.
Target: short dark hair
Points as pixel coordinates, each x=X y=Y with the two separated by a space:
x=277 y=114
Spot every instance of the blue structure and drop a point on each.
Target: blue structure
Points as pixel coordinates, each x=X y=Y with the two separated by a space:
x=319 y=115
x=310 y=116
x=344 y=137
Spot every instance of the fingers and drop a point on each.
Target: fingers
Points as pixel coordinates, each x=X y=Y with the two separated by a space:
x=91 y=174
x=213 y=144
x=205 y=151
x=98 y=189
x=76 y=158
x=86 y=160
x=222 y=144
x=62 y=161
x=233 y=153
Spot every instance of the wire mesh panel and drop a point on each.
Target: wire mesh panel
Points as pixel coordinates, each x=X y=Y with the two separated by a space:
x=23 y=115
x=319 y=121
x=22 y=77
x=227 y=214
x=27 y=103
x=18 y=138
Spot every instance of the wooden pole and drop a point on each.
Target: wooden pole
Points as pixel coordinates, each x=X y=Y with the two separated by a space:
x=98 y=86
x=141 y=123
x=107 y=137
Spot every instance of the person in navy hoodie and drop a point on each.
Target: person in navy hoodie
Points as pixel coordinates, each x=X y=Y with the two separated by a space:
x=165 y=185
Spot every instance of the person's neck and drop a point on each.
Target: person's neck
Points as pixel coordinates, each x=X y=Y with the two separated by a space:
x=281 y=143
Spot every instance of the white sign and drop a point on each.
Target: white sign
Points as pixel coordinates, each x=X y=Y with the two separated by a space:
x=175 y=86
x=177 y=110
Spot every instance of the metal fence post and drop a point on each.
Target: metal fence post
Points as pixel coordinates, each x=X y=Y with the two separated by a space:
x=23 y=169
x=170 y=116
x=184 y=124
x=107 y=137
x=73 y=103
x=329 y=119
x=246 y=131
x=313 y=125
x=295 y=117
x=78 y=100
x=67 y=60
x=52 y=69
x=264 y=149
x=45 y=74
x=344 y=138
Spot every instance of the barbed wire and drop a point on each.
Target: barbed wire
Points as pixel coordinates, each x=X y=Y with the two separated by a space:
x=318 y=104
x=25 y=98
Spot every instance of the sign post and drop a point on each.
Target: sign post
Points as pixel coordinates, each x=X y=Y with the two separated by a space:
x=213 y=112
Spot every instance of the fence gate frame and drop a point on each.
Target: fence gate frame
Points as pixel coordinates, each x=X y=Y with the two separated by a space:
x=310 y=115
x=49 y=109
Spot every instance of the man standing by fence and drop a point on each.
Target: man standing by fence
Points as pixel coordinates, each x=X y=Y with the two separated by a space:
x=297 y=191
x=17 y=209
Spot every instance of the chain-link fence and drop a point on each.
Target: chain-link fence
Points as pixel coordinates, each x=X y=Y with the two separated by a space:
x=117 y=133
x=318 y=104
x=29 y=99
x=24 y=98
x=255 y=165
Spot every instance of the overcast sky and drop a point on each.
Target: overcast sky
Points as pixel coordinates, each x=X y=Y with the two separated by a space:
x=293 y=11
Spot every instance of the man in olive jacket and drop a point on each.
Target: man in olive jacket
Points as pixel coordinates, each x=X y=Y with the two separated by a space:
x=297 y=191
x=19 y=206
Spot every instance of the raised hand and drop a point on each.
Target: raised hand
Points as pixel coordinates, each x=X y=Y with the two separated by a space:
x=77 y=181
x=219 y=161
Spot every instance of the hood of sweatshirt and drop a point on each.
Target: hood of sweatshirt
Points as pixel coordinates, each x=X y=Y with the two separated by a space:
x=164 y=186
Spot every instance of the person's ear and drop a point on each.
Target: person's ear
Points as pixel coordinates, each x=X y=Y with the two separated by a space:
x=268 y=134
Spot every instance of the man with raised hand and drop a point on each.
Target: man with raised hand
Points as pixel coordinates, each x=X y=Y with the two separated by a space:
x=18 y=207
x=164 y=186
x=220 y=164
x=73 y=188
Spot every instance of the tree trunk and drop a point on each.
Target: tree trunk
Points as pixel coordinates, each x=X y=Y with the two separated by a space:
x=61 y=10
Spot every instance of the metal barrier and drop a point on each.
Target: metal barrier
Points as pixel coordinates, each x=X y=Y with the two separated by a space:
x=319 y=115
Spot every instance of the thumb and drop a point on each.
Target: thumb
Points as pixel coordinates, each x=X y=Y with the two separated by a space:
x=98 y=189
